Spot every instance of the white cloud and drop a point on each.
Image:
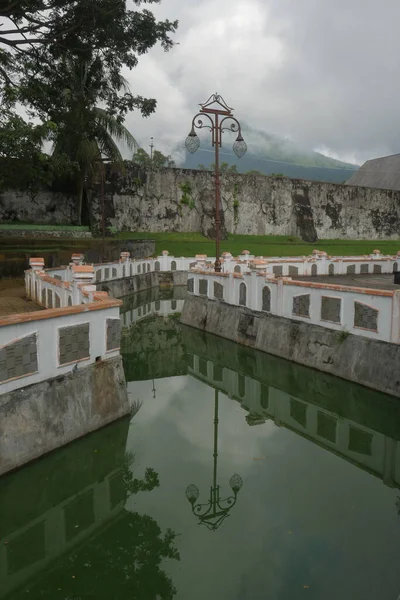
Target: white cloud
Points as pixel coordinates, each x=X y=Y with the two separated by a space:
x=323 y=73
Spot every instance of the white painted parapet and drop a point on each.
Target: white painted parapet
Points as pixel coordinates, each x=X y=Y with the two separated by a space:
x=36 y=346
x=317 y=263
x=362 y=311
x=78 y=327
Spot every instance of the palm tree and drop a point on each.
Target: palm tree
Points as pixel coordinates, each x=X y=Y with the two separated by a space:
x=88 y=133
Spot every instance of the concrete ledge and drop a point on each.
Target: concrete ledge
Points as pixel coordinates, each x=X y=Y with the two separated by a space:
x=44 y=416
x=45 y=233
x=141 y=282
x=368 y=362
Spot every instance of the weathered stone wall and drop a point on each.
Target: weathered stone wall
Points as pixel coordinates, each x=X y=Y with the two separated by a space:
x=183 y=200
x=44 y=416
x=43 y=208
x=355 y=358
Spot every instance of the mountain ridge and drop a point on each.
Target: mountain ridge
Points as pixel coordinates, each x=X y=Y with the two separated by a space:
x=271 y=154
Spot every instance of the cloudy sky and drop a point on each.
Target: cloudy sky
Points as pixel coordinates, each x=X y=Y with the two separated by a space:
x=325 y=74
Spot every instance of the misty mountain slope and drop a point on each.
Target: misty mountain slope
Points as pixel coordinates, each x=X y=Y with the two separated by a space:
x=270 y=154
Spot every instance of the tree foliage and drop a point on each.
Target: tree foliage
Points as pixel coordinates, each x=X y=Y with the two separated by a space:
x=87 y=133
x=63 y=61
x=23 y=164
x=159 y=160
x=36 y=34
x=122 y=559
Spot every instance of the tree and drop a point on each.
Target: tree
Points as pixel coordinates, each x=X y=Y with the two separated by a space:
x=63 y=61
x=35 y=34
x=122 y=559
x=23 y=164
x=88 y=133
x=160 y=160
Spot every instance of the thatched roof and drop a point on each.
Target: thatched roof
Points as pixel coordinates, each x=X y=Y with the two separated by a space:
x=382 y=173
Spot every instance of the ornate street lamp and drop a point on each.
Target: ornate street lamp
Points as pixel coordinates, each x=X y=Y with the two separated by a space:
x=216 y=510
x=220 y=119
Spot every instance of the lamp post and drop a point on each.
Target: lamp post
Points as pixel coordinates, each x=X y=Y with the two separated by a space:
x=216 y=510
x=220 y=119
x=151 y=150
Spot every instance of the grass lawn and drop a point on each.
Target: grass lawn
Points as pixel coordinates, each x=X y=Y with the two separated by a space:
x=189 y=244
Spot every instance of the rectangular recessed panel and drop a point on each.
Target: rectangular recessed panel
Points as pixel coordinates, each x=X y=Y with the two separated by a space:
x=301 y=305
x=364 y=268
x=73 y=343
x=242 y=294
x=326 y=427
x=377 y=269
x=298 y=412
x=19 y=358
x=79 y=515
x=113 y=334
x=114 y=272
x=266 y=299
x=330 y=309
x=277 y=270
x=218 y=291
x=351 y=269
x=264 y=395
x=217 y=373
x=360 y=441
x=365 y=317
x=107 y=273
x=190 y=285
x=26 y=549
x=293 y=270
x=203 y=367
x=203 y=287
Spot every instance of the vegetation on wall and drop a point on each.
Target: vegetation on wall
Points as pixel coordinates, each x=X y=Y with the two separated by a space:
x=187 y=198
x=235 y=205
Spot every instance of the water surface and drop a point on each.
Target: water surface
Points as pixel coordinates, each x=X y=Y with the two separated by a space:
x=305 y=468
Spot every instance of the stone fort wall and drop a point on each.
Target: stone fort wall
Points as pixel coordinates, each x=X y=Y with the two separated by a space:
x=183 y=200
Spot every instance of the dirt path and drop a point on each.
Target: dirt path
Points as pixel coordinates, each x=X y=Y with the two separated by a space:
x=12 y=298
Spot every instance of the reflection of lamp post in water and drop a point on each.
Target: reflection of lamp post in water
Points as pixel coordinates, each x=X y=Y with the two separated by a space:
x=214 y=512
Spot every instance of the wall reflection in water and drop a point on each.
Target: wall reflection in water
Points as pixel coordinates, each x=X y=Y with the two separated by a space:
x=65 y=532
x=361 y=426
x=358 y=424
